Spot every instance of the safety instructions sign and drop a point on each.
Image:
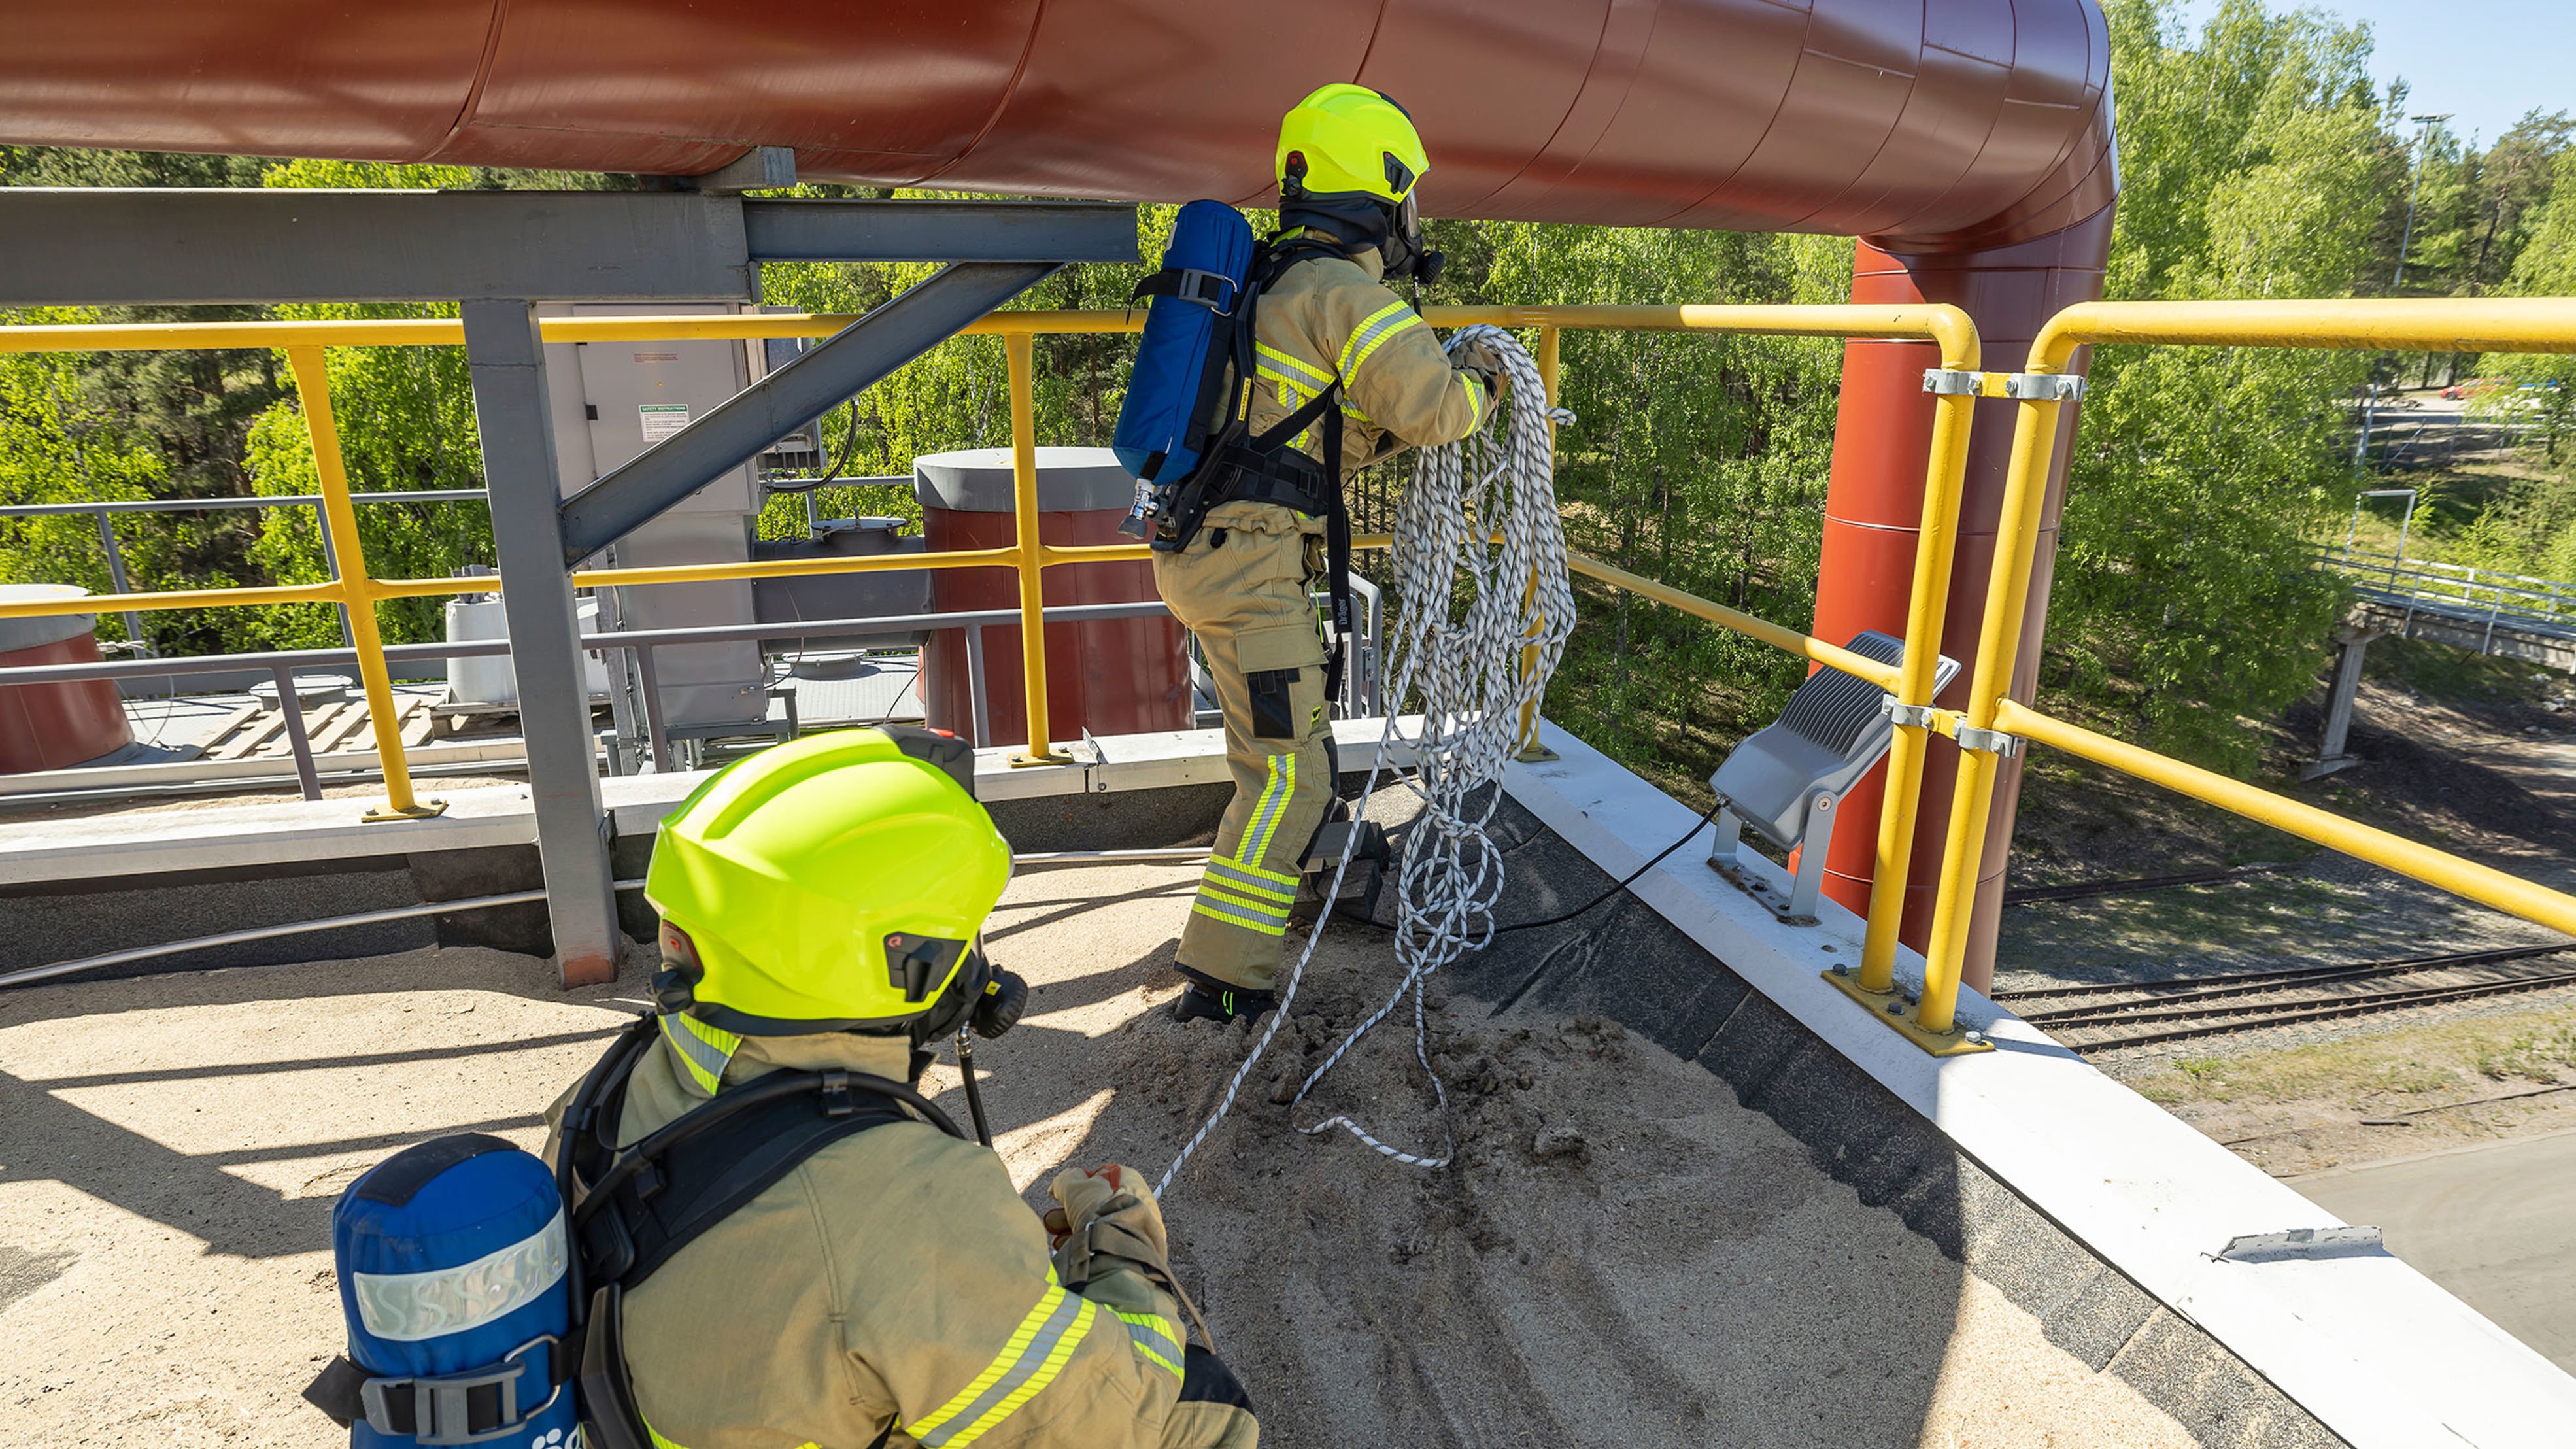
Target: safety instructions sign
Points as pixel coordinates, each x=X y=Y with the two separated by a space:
x=661 y=420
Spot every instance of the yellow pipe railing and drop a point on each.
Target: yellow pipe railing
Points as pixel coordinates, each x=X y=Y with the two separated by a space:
x=2540 y=325
x=357 y=588
x=1029 y=555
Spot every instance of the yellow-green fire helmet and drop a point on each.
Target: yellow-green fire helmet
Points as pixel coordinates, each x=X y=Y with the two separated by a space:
x=1347 y=140
x=834 y=882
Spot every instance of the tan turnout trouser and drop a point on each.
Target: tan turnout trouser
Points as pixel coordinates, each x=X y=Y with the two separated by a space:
x=1243 y=587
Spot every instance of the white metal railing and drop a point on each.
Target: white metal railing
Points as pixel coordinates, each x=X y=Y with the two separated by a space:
x=2459 y=592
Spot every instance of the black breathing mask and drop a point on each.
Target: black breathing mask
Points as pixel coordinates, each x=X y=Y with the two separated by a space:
x=981 y=997
x=1403 y=252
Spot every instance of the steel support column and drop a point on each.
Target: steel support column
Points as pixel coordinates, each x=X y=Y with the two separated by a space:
x=847 y=362
x=510 y=413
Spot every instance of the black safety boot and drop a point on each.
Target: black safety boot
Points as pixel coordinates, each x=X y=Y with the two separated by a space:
x=1222 y=1004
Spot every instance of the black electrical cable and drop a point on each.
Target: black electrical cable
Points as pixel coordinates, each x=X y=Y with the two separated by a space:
x=1633 y=876
x=833 y=464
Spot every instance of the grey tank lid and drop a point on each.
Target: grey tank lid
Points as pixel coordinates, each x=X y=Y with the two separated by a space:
x=978 y=480
x=17 y=634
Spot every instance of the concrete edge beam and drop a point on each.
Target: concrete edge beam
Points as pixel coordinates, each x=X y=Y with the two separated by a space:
x=2377 y=1352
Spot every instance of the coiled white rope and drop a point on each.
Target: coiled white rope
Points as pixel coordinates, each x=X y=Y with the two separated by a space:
x=1484 y=508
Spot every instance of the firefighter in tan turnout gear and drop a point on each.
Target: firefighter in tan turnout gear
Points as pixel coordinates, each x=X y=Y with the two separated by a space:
x=822 y=905
x=1243 y=581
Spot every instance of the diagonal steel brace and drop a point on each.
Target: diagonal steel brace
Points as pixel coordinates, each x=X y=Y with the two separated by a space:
x=850 y=361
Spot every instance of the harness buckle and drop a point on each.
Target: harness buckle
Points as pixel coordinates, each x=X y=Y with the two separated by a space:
x=442 y=1410
x=1207 y=289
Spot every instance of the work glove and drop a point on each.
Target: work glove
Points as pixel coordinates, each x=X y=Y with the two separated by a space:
x=1478 y=355
x=1107 y=1212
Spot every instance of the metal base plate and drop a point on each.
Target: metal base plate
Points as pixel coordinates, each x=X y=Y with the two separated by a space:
x=424 y=810
x=1773 y=899
x=1889 y=1008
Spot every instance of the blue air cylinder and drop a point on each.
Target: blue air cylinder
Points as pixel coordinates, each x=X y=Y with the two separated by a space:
x=452 y=1260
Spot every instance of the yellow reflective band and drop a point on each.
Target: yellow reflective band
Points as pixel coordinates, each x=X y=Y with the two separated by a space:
x=1238 y=880
x=1281 y=784
x=1217 y=912
x=1312 y=378
x=701 y=1048
x=1256 y=872
x=1475 y=396
x=1382 y=324
x=1036 y=1352
x=1219 y=895
x=1154 y=1338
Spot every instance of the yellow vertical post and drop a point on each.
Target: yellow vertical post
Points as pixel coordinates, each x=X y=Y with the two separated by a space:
x=1998 y=644
x=1934 y=545
x=357 y=588
x=1549 y=341
x=1020 y=349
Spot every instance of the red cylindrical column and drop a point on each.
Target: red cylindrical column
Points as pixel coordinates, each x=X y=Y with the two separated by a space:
x=1109 y=676
x=1874 y=509
x=50 y=726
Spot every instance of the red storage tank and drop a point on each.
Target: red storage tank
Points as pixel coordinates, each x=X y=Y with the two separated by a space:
x=1110 y=676
x=49 y=726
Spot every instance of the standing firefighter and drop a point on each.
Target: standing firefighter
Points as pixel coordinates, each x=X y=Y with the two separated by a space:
x=1341 y=372
x=822 y=907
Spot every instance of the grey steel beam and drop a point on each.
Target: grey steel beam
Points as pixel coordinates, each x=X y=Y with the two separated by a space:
x=510 y=413
x=847 y=362
x=939 y=231
x=105 y=246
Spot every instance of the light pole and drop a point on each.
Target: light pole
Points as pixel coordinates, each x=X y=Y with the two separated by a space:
x=2423 y=148
x=2370 y=400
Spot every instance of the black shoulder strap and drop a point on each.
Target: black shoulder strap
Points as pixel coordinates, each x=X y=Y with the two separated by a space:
x=643 y=1216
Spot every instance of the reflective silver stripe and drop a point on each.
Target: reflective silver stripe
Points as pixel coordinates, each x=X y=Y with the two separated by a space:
x=1314 y=379
x=1274 y=803
x=1385 y=322
x=408 y=1307
x=1245 y=882
x=1004 y=1394
x=1153 y=1337
x=703 y=1049
x=1235 y=916
x=1217 y=894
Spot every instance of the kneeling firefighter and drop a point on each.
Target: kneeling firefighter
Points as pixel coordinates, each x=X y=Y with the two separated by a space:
x=1313 y=367
x=752 y=1229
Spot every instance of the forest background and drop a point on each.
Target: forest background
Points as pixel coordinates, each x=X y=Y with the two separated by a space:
x=2258 y=159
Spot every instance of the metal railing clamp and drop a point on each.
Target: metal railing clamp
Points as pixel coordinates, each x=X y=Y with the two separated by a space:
x=1950 y=382
x=1987 y=742
x=1907 y=716
x=2044 y=386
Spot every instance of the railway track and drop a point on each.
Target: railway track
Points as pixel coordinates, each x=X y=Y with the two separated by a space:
x=2103 y=1016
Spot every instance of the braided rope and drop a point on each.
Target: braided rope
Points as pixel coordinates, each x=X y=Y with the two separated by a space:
x=1484 y=507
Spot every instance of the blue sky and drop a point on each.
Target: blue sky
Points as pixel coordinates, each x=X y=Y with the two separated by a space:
x=2486 y=61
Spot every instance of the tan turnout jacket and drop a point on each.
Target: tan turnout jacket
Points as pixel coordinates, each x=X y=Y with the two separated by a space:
x=895 y=1277
x=1331 y=318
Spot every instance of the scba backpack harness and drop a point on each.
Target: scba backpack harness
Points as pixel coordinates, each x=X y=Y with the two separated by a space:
x=1184 y=428
x=479 y=1283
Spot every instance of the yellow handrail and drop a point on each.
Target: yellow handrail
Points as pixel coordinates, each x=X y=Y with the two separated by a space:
x=2522 y=325
x=1947 y=327
x=2483 y=884
x=357 y=589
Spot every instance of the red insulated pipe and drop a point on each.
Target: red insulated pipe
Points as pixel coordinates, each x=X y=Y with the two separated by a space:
x=1969 y=141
